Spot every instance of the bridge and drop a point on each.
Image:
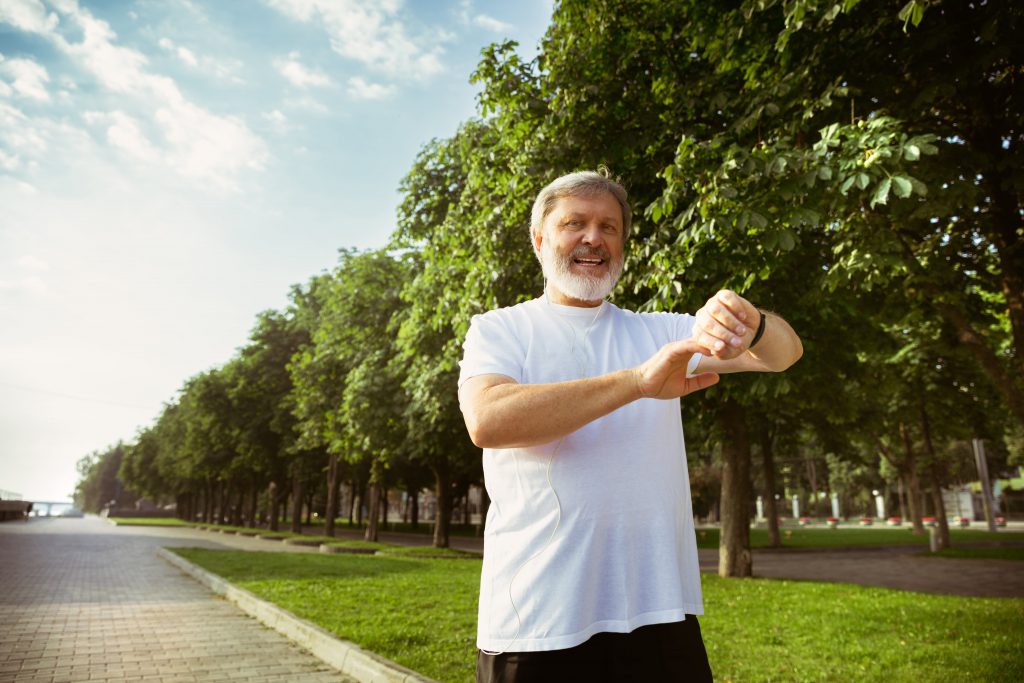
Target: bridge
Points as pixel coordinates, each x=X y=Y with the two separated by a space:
x=23 y=509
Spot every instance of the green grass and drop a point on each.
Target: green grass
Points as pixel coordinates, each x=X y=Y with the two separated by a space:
x=421 y=613
x=424 y=528
x=426 y=551
x=148 y=521
x=803 y=537
x=357 y=544
x=994 y=553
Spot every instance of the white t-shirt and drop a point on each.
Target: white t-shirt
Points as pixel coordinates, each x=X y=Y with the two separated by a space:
x=608 y=544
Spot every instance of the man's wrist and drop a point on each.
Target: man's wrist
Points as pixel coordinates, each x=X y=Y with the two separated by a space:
x=638 y=385
x=760 y=329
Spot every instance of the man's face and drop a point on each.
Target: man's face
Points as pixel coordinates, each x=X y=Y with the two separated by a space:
x=581 y=248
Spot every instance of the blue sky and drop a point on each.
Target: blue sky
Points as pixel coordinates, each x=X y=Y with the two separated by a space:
x=168 y=168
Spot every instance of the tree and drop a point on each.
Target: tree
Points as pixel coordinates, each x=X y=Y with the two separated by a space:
x=348 y=393
x=99 y=486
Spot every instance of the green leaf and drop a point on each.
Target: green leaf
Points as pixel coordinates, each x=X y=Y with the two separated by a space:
x=847 y=184
x=911 y=152
x=787 y=240
x=825 y=173
x=881 y=195
x=902 y=186
x=862 y=181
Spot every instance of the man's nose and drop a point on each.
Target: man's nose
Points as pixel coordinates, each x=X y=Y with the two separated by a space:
x=592 y=235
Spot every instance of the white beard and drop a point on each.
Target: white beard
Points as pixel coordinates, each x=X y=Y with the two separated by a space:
x=558 y=271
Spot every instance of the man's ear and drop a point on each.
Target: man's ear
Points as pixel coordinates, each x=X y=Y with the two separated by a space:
x=538 y=238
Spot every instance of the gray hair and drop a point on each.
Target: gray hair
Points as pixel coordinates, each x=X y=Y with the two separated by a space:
x=579 y=184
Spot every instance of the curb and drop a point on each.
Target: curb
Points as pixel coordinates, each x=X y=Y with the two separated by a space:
x=348 y=658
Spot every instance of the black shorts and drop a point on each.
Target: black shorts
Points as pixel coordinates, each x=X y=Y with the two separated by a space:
x=660 y=652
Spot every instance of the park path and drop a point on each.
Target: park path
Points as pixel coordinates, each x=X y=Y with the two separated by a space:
x=81 y=600
x=901 y=567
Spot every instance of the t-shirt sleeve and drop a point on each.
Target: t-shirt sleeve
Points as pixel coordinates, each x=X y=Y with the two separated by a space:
x=491 y=348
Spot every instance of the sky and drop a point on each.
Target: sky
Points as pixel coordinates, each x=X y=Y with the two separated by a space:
x=169 y=168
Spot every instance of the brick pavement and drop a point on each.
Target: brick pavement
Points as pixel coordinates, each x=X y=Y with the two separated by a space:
x=81 y=600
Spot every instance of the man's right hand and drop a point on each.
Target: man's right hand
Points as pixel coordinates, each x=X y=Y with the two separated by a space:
x=664 y=375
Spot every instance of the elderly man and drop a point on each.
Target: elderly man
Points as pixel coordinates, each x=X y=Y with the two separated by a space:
x=590 y=559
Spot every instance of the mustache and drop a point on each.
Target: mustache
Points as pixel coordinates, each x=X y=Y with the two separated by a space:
x=590 y=252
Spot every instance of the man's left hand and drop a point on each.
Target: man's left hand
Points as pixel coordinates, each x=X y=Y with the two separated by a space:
x=726 y=324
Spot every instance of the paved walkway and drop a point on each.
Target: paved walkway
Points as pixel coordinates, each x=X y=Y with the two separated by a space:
x=81 y=600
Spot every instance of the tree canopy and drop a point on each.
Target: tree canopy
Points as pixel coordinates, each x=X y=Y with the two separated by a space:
x=850 y=164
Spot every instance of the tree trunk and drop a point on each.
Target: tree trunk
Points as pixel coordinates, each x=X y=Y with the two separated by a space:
x=933 y=471
x=812 y=478
x=768 y=453
x=273 y=504
x=414 y=508
x=734 y=557
x=239 y=506
x=384 y=507
x=250 y=513
x=360 y=505
x=297 y=503
x=352 y=502
x=910 y=476
x=485 y=504
x=373 y=511
x=372 y=532
x=940 y=513
x=224 y=503
x=443 y=492
x=332 y=494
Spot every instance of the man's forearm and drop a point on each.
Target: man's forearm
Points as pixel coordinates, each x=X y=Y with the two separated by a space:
x=779 y=346
x=511 y=415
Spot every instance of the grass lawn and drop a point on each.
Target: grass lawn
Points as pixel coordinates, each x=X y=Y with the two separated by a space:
x=855 y=537
x=148 y=521
x=422 y=612
x=1011 y=553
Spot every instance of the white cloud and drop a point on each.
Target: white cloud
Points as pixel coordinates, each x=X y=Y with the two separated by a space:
x=199 y=144
x=29 y=78
x=124 y=133
x=9 y=162
x=298 y=75
x=469 y=18
x=19 y=134
x=187 y=56
x=28 y=285
x=361 y=90
x=370 y=32
x=223 y=69
x=492 y=24
x=209 y=147
x=30 y=262
x=277 y=120
x=28 y=15
x=307 y=103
